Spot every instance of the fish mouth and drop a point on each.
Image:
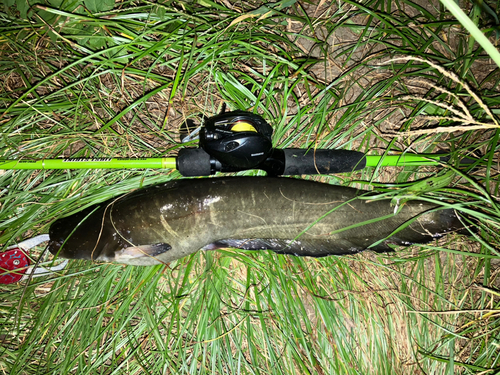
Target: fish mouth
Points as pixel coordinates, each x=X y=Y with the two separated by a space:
x=55 y=246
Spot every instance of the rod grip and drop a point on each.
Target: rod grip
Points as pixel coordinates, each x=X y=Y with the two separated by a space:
x=303 y=161
x=193 y=162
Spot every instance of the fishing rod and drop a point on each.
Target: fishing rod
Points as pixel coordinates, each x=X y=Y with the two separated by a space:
x=171 y=162
x=236 y=141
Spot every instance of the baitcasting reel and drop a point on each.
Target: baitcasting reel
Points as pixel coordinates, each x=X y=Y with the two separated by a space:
x=237 y=139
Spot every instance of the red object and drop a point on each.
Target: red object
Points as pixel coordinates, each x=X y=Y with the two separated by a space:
x=10 y=260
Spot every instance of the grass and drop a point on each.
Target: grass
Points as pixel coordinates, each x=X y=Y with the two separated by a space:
x=119 y=80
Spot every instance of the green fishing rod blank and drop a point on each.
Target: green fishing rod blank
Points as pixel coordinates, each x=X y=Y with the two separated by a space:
x=404 y=160
x=86 y=163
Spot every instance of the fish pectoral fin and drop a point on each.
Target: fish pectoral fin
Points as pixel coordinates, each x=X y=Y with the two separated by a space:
x=141 y=251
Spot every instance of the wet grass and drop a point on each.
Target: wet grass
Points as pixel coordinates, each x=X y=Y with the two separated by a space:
x=97 y=82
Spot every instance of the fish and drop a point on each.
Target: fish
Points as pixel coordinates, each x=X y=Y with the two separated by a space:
x=169 y=221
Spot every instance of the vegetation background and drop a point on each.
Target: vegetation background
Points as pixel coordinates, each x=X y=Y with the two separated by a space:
x=88 y=78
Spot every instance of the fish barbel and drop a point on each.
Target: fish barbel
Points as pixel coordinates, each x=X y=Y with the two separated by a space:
x=165 y=222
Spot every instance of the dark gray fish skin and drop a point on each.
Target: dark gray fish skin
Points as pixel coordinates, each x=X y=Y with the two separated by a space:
x=169 y=221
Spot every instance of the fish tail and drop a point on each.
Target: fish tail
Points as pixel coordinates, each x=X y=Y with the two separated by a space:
x=430 y=226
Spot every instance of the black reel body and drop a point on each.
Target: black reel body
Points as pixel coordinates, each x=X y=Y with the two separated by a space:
x=237 y=139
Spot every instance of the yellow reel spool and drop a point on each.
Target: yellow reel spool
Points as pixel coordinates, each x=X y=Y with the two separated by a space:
x=243 y=126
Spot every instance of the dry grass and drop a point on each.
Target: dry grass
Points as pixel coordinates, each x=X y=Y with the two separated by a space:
x=322 y=76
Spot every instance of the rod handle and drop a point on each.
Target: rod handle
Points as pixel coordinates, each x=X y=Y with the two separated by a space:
x=303 y=161
x=282 y=162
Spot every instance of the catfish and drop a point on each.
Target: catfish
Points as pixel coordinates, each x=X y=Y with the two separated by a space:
x=169 y=221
